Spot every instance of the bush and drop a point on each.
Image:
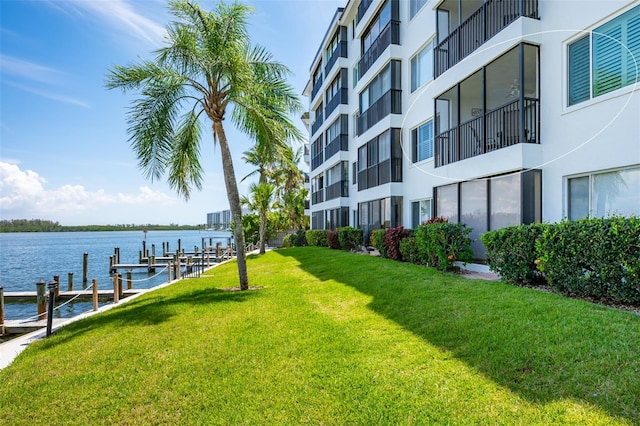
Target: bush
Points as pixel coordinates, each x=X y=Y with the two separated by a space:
x=391 y=241
x=598 y=258
x=511 y=252
x=376 y=239
x=299 y=238
x=332 y=239
x=350 y=238
x=441 y=244
x=410 y=251
x=287 y=241
x=316 y=237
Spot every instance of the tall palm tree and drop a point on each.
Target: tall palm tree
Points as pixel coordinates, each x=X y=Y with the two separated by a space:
x=208 y=68
x=261 y=200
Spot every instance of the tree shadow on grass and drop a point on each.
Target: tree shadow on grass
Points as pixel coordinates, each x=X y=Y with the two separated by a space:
x=541 y=346
x=148 y=310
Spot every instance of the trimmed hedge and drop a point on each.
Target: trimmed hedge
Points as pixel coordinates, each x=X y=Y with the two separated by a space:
x=441 y=244
x=511 y=252
x=316 y=237
x=332 y=239
x=391 y=241
x=410 y=251
x=598 y=258
x=376 y=239
x=350 y=238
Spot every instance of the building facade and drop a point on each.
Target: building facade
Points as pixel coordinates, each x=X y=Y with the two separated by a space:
x=487 y=112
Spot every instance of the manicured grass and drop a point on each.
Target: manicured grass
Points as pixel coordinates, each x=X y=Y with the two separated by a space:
x=334 y=338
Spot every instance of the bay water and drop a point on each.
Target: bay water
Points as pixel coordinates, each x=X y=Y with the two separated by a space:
x=27 y=257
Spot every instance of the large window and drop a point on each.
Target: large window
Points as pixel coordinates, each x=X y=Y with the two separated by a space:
x=606 y=59
x=374 y=30
x=605 y=194
x=420 y=212
x=422 y=142
x=422 y=67
x=380 y=160
x=380 y=85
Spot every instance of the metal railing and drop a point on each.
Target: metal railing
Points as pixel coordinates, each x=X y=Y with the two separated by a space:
x=337 y=190
x=316 y=124
x=510 y=124
x=389 y=35
x=317 y=197
x=363 y=7
x=316 y=87
x=341 y=97
x=389 y=103
x=339 y=143
x=317 y=161
x=339 y=52
x=488 y=20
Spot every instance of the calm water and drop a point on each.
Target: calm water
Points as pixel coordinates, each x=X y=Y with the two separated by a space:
x=28 y=257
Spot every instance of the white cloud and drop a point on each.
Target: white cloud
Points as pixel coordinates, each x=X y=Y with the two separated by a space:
x=50 y=95
x=17 y=67
x=23 y=195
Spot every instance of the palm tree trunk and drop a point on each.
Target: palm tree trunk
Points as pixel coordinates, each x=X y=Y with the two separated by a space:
x=234 y=202
x=263 y=231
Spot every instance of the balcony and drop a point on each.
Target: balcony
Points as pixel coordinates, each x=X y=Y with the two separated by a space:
x=316 y=124
x=389 y=103
x=317 y=197
x=337 y=190
x=363 y=7
x=339 y=52
x=316 y=87
x=317 y=161
x=340 y=143
x=485 y=22
x=513 y=123
x=341 y=97
x=389 y=35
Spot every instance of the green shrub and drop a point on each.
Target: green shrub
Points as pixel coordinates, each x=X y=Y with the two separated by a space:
x=441 y=244
x=597 y=258
x=299 y=238
x=376 y=240
x=391 y=241
x=316 y=237
x=287 y=241
x=410 y=251
x=350 y=238
x=511 y=252
x=332 y=239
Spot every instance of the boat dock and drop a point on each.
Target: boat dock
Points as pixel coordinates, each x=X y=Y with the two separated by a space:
x=32 y=296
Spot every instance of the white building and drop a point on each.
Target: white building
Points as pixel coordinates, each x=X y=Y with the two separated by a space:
x=492 y=113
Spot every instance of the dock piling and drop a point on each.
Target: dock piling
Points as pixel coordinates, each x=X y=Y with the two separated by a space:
x=41 y=299
x=56 y=278
x=70 y=281
x=120 y=293
x=169 y=271
x=179 y=244
x=95 y=294
x=53 y=289
x=1 y=310
x=153 y=250
x=129 y=282
x=85 y=268
x=116 y=293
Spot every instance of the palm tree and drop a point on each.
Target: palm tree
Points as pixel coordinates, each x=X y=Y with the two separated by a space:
x=261 y=201
x=208 y=68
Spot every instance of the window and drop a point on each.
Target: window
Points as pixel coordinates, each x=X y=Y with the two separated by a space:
x=380 y=160
x=333 y=88
x=415 y=6
x=603 y=61
x=422 y=67
x=422 y=142
x=372 y=33
x=605 y=194
x=420 y=212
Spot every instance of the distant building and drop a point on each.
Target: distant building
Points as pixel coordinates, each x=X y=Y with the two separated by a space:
x=221 y=220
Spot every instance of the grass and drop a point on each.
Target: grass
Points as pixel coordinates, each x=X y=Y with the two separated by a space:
x=334 y=338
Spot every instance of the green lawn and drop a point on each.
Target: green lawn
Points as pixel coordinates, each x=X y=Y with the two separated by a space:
x=334 y=338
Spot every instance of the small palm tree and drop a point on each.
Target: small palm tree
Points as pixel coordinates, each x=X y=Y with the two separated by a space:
x=261 y=201
x=208 y=68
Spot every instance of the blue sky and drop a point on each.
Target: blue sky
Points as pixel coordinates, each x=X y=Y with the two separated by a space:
x=64 y=150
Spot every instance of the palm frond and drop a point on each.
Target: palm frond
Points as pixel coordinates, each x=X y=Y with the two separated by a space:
x=185 y=171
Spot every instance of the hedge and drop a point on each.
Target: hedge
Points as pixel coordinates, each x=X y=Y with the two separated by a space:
x=376 y=240
x=598 y=258
x=391 y=241
x=332 y=239
x=350 y=238
x=511 y=252
x=316 y=237
x=410 y=251
x=441 y=244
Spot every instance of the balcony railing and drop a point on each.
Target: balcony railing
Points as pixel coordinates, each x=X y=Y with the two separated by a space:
x=491 y=18
x=511 y=124
x=341 y=97
x=317 y=197
x=317 y=161
x=316 y=87
x=363 y=7
x=389 y=103
x=316 y=124
x=339 y=52
x=389 y=35
x=339 y=143
x=337 y=190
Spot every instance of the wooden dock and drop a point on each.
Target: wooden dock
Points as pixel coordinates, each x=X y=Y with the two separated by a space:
x=22 y=326
x=84 y=295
